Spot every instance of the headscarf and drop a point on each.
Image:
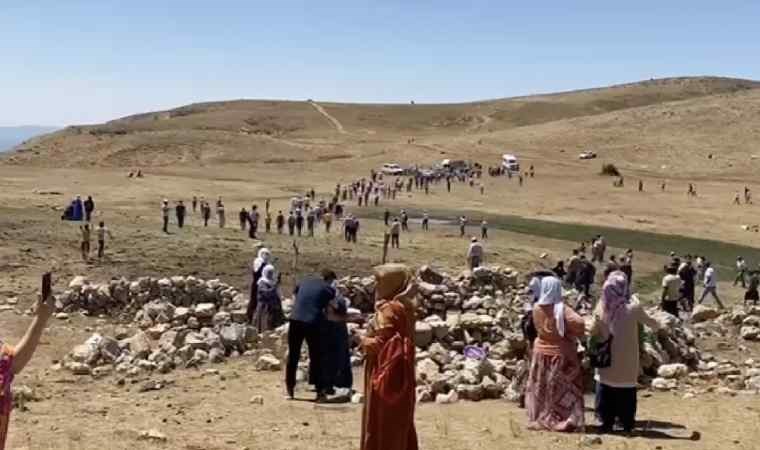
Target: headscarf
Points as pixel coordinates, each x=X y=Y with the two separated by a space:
x=267 y=280
x=551 y=294
x=263 y=258
x=615 y=296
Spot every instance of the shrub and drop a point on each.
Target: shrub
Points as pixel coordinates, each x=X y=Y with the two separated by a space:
x=610 y=170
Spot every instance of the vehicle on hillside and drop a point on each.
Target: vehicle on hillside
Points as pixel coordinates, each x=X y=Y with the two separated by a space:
x=392 y=169
x=587 y=155
x=510 y=163
x=455 y=164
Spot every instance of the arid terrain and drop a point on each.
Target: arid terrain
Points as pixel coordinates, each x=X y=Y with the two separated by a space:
x=704 y=131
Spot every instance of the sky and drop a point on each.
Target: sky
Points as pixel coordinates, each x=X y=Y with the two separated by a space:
x=78 y=62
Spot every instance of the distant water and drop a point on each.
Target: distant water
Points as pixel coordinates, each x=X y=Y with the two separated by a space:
x=13 y=136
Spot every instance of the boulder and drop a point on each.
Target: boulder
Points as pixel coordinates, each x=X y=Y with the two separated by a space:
x=423 y=335
x=703 y=313
x=430 y=275
x=750 y=333
x=670 y=371
x=661 y=384
x=78 y=283
x=428 y=371
x=267 y=362
x=196 y=341
x=205 y=310
x=139 y=345
x=233 y=336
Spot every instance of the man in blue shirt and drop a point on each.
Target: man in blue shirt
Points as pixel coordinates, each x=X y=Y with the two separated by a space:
x=312 y=297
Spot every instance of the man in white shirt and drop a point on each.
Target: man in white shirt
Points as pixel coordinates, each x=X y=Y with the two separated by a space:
x=741 y=272
x=475 y=253
x=711 y=285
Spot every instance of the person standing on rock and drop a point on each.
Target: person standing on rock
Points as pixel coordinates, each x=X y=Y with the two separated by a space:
x=618 y=315
x=711 y=285
x=102 y=231
x=180 y=212
x=13 y=359
x=165 y=215
x=312 y=295
x=389 y=379
x=474 y=253
x=89 y=207
x=259 y=264
x=554 y=393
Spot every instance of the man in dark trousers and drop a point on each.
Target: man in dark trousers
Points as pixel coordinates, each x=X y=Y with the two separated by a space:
x=386 y=217
x=89 y=207
x=291 y=223
x=312 y=295
x=180 y=211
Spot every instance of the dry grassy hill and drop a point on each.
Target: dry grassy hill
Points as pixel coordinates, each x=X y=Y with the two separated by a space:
x=259 y=131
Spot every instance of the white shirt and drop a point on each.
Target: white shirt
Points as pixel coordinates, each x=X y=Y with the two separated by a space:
x=741 y=265
x=475 y=250
x=710 y=277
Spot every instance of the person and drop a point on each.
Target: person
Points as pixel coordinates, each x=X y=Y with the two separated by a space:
x=404 y=221
x=102 y=232
x=736 y=199
x=243 y=218
x=268 y=222
x=13 y=359
x=291 y=224
x=389 y=368
x=671 y=291
x=78 y=209
x=687 y=275
x=395 y=230
x=180 y=212
x=312 y=296
x=752 y=295
x=206 y=213
x=711 y=285
x=474 y=253
x=337 y=354
x=268 y=314
x=554 y=393
x=195 y=204
x=89 y=207
x=266 y=206
x=612 y=266
x=386 y=217
x=253 y=222
x=327 y=218
x=220 y=212
x=259 y=264
x=619 y=316
x=310 y=223
x=280 y=222
x=741 y=272
x=299 y=222
x=462 y=225
x=573 y=267
x=85 y=246
x=585 y=276
x=626 y=266
x=641 y=186
x=484 y=229
x=165 y=214
x=425 y=220
x=559 y=270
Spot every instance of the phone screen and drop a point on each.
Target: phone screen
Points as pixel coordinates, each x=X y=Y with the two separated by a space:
x=47 y=281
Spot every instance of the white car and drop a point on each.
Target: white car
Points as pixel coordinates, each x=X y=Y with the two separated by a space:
x=587 y=155
x=392 y=169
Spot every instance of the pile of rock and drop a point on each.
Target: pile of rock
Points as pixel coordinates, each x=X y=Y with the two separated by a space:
x=181 y=321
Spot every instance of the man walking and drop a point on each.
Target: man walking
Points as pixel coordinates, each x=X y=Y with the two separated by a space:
x=474 y=253
x=312 y=295
x=711 y=285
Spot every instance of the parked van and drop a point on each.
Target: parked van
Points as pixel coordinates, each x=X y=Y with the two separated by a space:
x=510 y=163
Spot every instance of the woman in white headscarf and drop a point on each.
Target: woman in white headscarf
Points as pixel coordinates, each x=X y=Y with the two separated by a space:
x=554 y=394
x=262 y=260
x=269 y=313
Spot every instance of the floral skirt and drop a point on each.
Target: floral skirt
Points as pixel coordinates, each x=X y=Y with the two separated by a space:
x=554 y=393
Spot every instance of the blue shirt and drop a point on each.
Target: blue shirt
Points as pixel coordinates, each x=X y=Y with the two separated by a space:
x=312 y=296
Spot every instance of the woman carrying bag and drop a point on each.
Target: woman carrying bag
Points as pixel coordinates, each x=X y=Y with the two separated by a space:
x=614 y=351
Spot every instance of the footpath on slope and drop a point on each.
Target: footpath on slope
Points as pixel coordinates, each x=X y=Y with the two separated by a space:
x=335 y=122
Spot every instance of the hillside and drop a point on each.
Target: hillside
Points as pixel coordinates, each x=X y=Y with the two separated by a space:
x=10 y=137
x=261 y=131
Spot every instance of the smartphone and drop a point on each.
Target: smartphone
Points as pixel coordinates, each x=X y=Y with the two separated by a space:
x=47 y=285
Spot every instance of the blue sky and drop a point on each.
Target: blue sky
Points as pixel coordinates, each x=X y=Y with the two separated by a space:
x=69 y=62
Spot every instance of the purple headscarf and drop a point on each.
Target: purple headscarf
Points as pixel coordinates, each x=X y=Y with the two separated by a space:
x=615 y=297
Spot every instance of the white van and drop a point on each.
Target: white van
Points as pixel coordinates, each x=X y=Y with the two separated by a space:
x=510 y=163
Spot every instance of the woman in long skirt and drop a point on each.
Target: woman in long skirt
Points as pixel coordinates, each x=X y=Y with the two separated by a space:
x=269 y=313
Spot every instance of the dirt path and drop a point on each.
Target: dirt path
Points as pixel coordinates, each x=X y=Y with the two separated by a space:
x=338 y=126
